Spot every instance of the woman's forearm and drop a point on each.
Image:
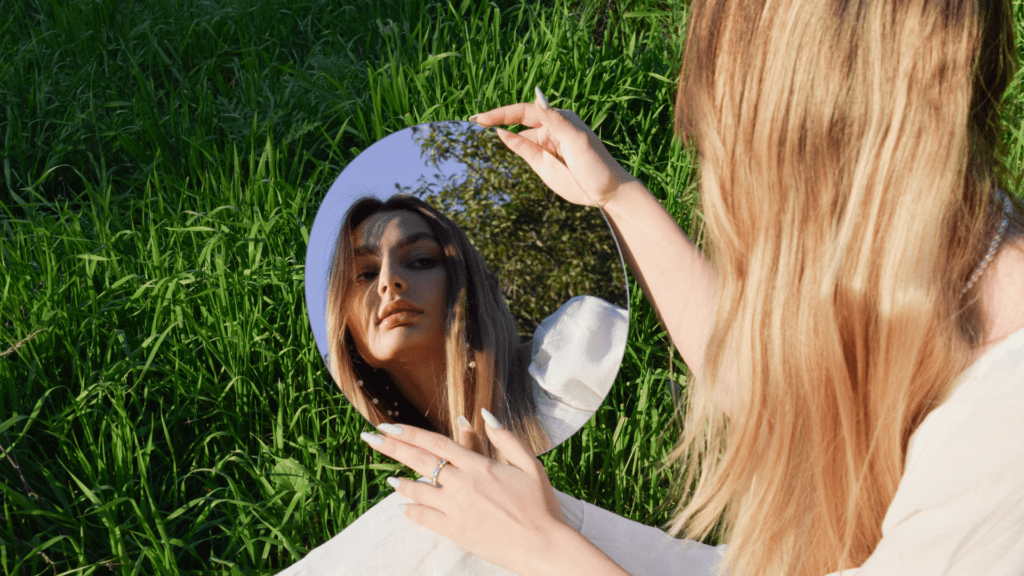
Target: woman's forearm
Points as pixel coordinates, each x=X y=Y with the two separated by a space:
x=676 y=277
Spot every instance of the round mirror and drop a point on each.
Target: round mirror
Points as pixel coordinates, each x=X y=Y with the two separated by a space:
x=461 y=281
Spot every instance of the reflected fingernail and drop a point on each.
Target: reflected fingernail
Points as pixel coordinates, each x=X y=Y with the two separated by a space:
x=463 y=423
x=393 y=482
x=392 y=429
x=372 y=439
x=542 y=100
x=490 y=419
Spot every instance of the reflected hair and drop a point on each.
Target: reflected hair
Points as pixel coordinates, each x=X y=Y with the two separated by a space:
x=479 y=327
x=850 y=152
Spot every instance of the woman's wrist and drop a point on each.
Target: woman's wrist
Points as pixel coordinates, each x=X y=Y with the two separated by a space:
x=566 y=552
x=625 y=193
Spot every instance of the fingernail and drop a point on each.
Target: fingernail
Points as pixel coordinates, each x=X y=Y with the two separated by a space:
x=473 y=117
x=393 y=482
x=542 y=100
x=372 y=439
x=392 y=429
x=490 y=419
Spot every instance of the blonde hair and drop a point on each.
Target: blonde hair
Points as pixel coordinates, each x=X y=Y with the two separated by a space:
x=479 y=328
x=850 y=151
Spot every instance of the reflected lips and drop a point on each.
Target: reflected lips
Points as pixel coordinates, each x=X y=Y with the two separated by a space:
x=398 y=313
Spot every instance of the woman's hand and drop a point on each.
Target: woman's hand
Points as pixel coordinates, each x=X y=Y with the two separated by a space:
x=561 y=149
x=572 y=161
x=480 y=504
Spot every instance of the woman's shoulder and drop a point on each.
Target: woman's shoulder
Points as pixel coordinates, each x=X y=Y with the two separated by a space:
x=577 y=316
x=958 y=508
x=576 y=353
x=584 y=332
x=993 y=384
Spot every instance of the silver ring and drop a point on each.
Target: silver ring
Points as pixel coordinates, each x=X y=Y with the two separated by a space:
x=433 y=479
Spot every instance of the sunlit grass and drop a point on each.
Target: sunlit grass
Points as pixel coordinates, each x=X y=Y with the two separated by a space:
x=163 y=406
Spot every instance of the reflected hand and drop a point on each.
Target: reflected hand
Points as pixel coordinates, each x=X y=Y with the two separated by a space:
x=507 y=514
x=561 y=149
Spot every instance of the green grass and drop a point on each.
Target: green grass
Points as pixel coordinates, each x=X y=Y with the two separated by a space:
x=162 y=163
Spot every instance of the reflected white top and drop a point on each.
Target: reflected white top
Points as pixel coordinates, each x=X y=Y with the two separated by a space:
x=576 y=355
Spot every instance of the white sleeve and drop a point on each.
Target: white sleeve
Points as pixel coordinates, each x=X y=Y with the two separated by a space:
x=576 y=355
x=383 y=542
x=959 y=508
x=644 y=550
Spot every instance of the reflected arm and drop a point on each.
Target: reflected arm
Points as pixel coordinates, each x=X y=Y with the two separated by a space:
x=676 y=277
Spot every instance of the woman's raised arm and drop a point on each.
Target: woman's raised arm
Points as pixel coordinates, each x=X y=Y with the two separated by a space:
x=567 y=155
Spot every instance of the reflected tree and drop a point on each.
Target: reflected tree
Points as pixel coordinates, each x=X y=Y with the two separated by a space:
x=543 y=249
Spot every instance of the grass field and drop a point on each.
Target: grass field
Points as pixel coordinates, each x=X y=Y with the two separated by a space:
x=163 y=407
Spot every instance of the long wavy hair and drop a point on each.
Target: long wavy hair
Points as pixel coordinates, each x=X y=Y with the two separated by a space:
x=485 y=362
x=850 y=151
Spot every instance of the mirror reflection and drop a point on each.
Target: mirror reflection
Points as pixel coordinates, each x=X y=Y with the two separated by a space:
x=467 y=284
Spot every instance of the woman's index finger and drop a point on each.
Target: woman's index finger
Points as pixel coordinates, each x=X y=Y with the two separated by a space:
x=436 y=444
x=526 y=114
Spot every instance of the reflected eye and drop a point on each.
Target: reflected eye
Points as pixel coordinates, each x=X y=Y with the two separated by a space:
x=423 y=263
x=366 y=275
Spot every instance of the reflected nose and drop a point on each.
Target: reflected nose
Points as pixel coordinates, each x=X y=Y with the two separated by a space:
x=390 y=279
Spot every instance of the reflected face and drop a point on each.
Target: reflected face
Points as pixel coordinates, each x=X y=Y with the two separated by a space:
x=397 y=310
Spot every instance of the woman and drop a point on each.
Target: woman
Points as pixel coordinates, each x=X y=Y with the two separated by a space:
x=858 y=337
x=419 y=333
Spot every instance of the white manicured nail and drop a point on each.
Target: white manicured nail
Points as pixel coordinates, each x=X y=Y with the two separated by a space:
x=392 y=429
x=372 y=439
x=463 y=423
x=393 y=482
x=542 y=100
x=473 y=117
x=490 y=419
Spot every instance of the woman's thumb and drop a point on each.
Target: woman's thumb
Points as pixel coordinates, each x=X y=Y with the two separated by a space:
x=506 y=442
x=542 y=100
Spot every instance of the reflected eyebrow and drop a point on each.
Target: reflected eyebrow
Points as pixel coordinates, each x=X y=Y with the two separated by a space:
x=373 y=250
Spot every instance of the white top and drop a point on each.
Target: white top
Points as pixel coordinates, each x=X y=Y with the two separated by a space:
x=958 y=511
x=959 y=508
